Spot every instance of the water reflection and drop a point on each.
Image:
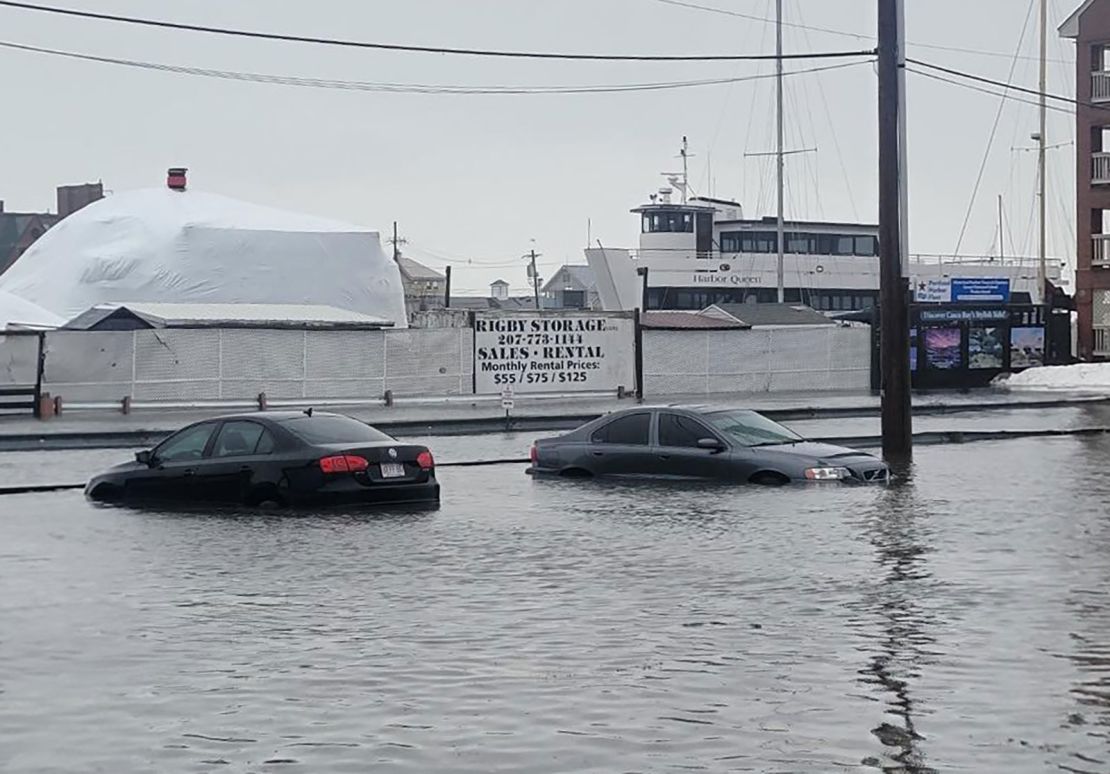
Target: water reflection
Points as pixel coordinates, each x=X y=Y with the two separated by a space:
x=897 y=528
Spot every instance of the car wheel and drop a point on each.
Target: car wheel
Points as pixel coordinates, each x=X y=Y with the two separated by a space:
x=769 y=478
x=576 y=473
x=267 y=497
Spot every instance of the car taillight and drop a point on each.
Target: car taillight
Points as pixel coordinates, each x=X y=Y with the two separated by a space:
x=425 y=460
x=534 y=455
x=343 y=463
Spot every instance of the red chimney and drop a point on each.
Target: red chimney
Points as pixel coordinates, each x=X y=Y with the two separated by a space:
x=176 y=178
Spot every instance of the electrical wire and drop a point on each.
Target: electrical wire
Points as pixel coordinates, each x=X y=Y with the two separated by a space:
x=405 y=88
x=285 y=38
x=845 y=33
x=1010 y=87
x=981 y=90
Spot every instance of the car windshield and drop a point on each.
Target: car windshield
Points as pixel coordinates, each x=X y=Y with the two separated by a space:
x=333 y=429
x=751 y=429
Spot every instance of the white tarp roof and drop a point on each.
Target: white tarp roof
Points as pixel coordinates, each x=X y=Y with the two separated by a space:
x=163 y=246
x=16 y=312
x=233 y=315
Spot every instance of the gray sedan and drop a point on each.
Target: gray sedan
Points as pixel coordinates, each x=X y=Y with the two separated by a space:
x=722 y=444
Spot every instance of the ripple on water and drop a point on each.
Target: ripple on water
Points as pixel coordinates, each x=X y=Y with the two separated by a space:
x=959 y=621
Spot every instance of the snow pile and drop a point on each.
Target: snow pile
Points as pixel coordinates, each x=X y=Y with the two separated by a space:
x=1083 y=377
x=163 y=246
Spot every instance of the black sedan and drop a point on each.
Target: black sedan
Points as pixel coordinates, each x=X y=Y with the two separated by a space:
x=281 y=458
x=697 y=443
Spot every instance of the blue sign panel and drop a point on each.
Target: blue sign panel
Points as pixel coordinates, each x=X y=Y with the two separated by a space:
x=981 y=290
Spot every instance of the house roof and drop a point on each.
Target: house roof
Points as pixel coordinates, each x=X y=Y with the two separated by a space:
x=681 y=321
x=771 y=314
x=582 y=275
x=471 y=303
x=1070 y=27
x=416 y=271
x=169 y=315
x=500 y=282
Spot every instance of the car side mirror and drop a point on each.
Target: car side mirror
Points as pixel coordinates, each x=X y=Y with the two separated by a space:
x=144 y=457
x=712 y=444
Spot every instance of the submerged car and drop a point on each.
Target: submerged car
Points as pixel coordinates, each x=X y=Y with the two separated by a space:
x=700 y=443
x=281 y=458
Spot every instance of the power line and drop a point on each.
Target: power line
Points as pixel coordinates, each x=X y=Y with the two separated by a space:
x=992 y=82
x=981 y=90
x=240 y=33
x=845 y=33
x=404 y=88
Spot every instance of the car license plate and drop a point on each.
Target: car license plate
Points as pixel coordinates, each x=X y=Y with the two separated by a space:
x=392 y=470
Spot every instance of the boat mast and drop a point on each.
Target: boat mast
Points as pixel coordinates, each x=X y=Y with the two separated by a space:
x=1042 y=142
x=779 y=151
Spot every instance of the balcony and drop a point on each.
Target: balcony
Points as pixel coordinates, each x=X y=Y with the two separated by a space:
x=1100 y=169
x=1100 y=250
x=1101 y=346
x=1100 y=86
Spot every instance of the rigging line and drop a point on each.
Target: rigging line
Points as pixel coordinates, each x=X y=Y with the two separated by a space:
x=751 y=120
x=836 y=142
x=981 y=90
x=285 y=38
x=844 y=33
x=1054 y=185
x=994 y=131
x=727 y=101
x=402 y=88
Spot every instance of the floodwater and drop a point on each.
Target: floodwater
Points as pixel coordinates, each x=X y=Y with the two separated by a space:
x=956 y=621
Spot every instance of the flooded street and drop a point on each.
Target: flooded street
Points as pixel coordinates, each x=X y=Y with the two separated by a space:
x=959 y=621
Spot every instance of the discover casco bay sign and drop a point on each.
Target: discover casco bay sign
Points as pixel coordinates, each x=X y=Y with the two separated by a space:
x=554 y=352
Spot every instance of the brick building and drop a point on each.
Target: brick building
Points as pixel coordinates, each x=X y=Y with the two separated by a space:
x=1089 y=27
x=19 y=230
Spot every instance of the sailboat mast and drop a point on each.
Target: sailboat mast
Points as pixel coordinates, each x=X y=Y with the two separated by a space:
x=779 y=152
x=1042 y=144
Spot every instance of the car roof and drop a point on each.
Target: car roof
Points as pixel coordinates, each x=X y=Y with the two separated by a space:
x=274 y=416
x=692 y=408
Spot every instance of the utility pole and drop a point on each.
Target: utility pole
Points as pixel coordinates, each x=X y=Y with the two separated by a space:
x=1042 y=145
x=535 y=278
x=779 y=152
x=894 y=334
x=396 y=244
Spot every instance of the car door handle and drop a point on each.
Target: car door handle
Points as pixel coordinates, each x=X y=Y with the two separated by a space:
x=190 y=472
x=664 y=456
x=599 y=454
x=246 y=469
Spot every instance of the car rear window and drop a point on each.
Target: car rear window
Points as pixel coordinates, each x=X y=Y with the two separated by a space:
x=333 y=429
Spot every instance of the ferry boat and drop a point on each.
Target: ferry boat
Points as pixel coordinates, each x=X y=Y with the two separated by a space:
x=702 y=251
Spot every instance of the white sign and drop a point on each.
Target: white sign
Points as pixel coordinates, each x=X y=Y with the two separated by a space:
x=554 y=352
x=933 y=291
x=507 y=398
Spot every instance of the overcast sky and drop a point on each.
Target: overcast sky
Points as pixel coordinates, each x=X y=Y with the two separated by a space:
x=478 y=178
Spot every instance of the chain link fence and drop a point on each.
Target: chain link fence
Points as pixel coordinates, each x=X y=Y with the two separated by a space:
x=759 y=360
x=222 y=365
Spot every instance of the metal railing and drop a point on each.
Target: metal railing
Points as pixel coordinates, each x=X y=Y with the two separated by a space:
x=1101 y=346
x=1100 y=86
x=1100 y=168
x=1100 y=250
